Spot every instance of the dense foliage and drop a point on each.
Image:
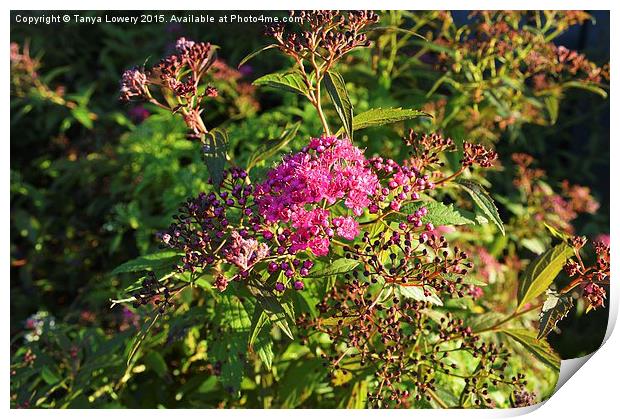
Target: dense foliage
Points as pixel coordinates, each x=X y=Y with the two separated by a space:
x=378 y=214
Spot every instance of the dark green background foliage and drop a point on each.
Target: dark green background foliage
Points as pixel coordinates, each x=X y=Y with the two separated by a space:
x=88 y=195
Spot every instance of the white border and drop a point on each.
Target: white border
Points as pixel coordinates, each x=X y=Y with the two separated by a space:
x=593 y=391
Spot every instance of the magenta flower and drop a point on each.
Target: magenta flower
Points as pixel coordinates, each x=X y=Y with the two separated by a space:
x=346 y=227
x=327 y=172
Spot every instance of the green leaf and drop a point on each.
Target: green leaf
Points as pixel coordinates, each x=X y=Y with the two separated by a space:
x=591 y=87
x=541 y=272
x=49 y=376
x=151 y=262
x=337 y=90
x=337 y=267
x=417 y=293
x=260 y=320
x=156 y=362
x=230 y=346
x=534 y=244
x=539 y=348
x=278 y=313
x=556 y=307
x=291 y=82
x=473 y=281
x=269 y=148
x=255 y=53
x=359 y=394
x=485 y=321
x=438 y=213
x=215 y=146
x=380 y=116
x=299 y=381
x=335 y=321
x=264 y=348
x=260 y=339
x=553 y=108
x=557 y=233
x=83 y=116
x=483 y=200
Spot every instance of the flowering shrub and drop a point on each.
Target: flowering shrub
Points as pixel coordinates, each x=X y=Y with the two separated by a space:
x=373 y=225
x=357 y=255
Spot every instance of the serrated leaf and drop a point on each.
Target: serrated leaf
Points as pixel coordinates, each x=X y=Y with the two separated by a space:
x=269 y=148
x=438 y=213
x=380 y=116
x=417 y=293
x=539 y=348
x=153 y=261
x=264 y=348
x=260 y=320
x=255 y=53
x=541 y=272
x=262 y=342
x=555 y=308
x=337 y=90
x=215 y=146
x=337 y=267
x=291 y=82
x=485 y=321
x=483 y=200
x=230 y=347
x=278 y=312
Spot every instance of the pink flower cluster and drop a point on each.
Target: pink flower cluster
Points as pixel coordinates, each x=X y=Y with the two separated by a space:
x=301 y=190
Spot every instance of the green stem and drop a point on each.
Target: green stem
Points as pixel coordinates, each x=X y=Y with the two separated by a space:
x=319 y=109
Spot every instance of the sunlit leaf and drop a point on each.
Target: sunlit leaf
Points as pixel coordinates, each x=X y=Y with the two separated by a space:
x=438 y=214
x=539 y=348
x=292 y=82
x=255 y=53
x=385 y=116
x=153 y=261
x=541 y=272
x=419 y=293
x=337 y=90
x=270 y=148
x=483 y=200
x=337 y=267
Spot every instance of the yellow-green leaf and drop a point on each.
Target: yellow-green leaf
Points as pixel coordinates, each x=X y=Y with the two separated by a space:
x=337 y=90
x=539 y=348
x=541 y=272
x=483 y=200
x=291 y=82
